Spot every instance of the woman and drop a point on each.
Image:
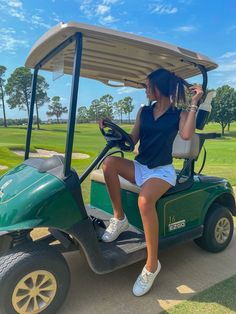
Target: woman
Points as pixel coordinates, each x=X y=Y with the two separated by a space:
x=156 y=127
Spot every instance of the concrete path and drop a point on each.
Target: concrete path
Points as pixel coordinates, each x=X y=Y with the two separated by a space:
x=186 y=270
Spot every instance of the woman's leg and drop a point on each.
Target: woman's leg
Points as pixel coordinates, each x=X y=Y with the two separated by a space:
x=112 y=167
x=151 y=191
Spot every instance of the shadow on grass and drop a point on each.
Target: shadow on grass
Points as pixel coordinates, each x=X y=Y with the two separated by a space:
x=231 y=134
x=221 y=294
x=16 y=127
x=24 y=128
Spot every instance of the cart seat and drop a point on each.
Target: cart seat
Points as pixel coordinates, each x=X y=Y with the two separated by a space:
x=182 y=149
x=53 y=165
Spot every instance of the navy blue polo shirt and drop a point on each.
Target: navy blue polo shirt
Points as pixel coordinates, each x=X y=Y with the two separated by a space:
x=157 y=136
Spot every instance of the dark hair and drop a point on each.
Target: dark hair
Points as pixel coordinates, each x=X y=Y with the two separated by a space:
x=169 y=84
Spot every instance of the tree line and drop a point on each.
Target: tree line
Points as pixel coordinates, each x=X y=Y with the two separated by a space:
x=17 y=88
x=105 y=107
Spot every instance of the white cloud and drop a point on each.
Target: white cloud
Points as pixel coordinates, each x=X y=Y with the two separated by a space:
x=15 y=3
x=161 y=8
x=110 y=1
x=225 y=73
x=39 y=11
x=126 y=90
x=186 y=28
x=109 y=19
x=37 y=20
x=229 y=54
x=13 y=8
x=227 y=67
x=56 y=18
x=87 y=8
x=8 y=41
x=102 y=9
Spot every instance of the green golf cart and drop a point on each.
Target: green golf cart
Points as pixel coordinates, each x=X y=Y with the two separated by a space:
x=39 y=193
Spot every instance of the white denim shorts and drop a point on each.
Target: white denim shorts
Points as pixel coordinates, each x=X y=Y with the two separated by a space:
x=143 y=173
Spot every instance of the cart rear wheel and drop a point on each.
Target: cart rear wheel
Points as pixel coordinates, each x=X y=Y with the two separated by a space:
x=218 y=229
x=33 y=279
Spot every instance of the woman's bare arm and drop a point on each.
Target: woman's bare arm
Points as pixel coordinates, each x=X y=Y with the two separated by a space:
x=135 y=131
x=187 y=122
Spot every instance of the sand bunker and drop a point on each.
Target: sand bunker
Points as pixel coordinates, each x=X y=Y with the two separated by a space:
x=3 y=167
x=50 y=153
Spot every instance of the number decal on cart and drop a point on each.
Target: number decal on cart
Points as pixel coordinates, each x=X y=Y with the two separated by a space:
x=171 y=219
x=177 y=225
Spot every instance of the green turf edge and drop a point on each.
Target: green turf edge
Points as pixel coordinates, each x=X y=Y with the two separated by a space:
x=218 y=299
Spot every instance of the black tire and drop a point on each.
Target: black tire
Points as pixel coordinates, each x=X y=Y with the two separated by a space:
x=42 y=262
x=218 y=229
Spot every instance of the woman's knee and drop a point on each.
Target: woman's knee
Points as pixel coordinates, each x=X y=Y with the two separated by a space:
x=109 y=163
x=146 y=204
x=119 y=166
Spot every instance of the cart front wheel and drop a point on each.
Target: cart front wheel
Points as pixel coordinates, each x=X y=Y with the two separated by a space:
x=218 y=229
x=33 y=279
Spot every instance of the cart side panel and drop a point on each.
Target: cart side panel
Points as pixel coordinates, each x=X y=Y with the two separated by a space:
x=171 y=209
x=178 y=212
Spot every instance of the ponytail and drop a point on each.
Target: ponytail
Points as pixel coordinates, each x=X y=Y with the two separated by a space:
x=169 y=84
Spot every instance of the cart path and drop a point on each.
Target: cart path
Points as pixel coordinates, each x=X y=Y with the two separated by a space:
x=49 y=153
x=186 y=270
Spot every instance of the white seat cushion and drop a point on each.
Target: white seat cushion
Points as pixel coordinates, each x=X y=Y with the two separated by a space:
x=97 y=175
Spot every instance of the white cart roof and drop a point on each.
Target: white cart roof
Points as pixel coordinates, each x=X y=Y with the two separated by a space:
x=110 y=55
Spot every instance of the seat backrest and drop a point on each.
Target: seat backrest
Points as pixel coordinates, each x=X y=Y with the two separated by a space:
x=186 y=149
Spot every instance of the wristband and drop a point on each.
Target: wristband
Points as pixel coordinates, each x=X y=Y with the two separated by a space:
x=193 y=108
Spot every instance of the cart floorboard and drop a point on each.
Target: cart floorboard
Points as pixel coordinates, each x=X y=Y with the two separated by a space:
x=128 y=242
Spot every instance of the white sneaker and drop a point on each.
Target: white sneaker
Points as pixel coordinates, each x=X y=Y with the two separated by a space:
x=115 y=228
x=145 y=281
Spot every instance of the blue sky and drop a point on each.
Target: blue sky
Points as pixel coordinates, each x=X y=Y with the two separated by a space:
x=208 y=27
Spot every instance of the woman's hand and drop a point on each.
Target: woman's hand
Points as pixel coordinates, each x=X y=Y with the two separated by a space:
x=101 y=122
x=197 y=92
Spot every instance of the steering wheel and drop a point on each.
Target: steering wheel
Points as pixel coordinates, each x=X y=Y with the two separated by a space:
x=115 y=136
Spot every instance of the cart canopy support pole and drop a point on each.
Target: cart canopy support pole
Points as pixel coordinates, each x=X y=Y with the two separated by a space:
x=31 y=113
x=73 y=102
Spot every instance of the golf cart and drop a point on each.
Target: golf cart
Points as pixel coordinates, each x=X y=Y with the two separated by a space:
x=34 y=276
